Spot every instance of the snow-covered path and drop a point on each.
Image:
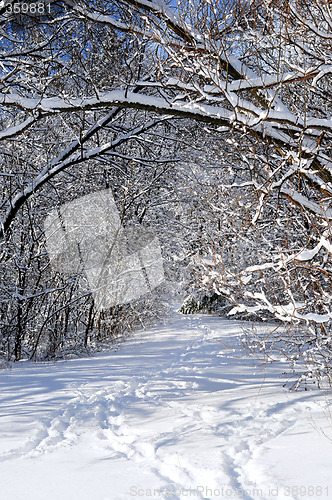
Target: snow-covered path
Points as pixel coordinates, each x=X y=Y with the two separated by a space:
x=177 y=412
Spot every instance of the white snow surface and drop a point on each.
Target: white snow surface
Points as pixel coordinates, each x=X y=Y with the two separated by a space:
x=177 y=412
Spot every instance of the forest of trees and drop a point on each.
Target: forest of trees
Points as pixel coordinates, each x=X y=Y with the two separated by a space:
x=210 y=121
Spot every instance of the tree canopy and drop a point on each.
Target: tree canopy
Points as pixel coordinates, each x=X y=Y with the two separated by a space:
x=229 y=101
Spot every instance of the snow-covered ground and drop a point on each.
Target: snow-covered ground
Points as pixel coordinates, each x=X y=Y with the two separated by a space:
x=176 y=412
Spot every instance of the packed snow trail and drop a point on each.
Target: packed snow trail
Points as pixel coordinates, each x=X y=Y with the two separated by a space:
x=176 y=412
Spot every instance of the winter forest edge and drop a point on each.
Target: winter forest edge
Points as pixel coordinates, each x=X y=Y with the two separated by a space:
x=210 y=122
